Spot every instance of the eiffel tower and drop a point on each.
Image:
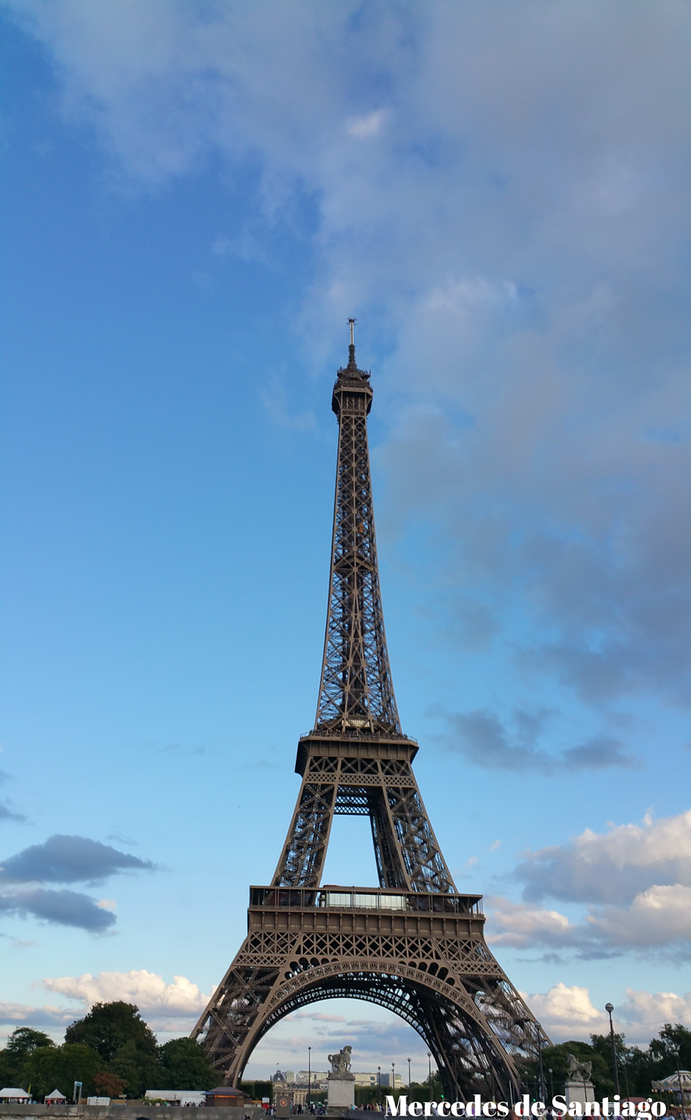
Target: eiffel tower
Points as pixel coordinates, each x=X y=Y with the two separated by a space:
x=413 y=945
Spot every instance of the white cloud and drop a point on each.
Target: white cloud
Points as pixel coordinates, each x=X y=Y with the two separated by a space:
x=615 y=866
x=167 y=1008
x=367 y=126
x=515 y=230
x=20 y=1014
x=155 y=999
x=658 y=918
x=656 y=1009
x=567 y=1012
x=528 y=202
x=522 y=926
x=318 y=1017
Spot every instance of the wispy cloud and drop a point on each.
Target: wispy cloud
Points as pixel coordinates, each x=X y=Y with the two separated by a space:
x=20 y=1014
x=8 y=813
x=7 y=810
x=515 y=226
x=370 y=125
x=487 y=741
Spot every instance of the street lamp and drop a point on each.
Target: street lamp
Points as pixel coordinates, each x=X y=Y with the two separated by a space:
x=429 y=1077
x=551 y=1080
x=675 y=1051
x=309 y=1078
x=393 y=1077
x=543 y=1087
x=409 y=1075
x=609 y=1008
x=379 y=1086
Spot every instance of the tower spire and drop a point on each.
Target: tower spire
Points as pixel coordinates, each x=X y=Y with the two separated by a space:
x=356 y=693
x=351 y=348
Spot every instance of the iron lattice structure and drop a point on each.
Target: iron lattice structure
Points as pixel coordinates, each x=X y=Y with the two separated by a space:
x=415 y=945
x=356 y=691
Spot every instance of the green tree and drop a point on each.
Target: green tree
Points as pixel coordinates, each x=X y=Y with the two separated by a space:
x=365 y=1094
x=110 y=1026
x=20 y=1045
x=140 y=1069
x=556 y=1058
x=58 y=1067
x=638 y=1072
x=126 y=1045
x=255 y=1090
x=672 y=1045
x=185 y=1065
x=602 y=1045
x=674 y=1039
x=420 y=1090
x=109 y=1084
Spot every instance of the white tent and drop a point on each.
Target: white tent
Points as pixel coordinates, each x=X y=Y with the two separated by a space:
x=56 y=1095
x=14 y=1095
x=671 y=1084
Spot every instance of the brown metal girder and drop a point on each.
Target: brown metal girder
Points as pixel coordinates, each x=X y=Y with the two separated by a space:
x=357 y=746
x=309 y=980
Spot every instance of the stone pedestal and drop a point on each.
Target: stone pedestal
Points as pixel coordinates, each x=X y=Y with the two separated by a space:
x=340 y=1093
x=576 y=1089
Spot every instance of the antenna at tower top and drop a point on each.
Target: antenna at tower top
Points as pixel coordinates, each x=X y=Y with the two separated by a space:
x=351 y=348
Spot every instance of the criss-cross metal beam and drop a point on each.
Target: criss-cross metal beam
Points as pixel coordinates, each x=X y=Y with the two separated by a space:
x=356 y=691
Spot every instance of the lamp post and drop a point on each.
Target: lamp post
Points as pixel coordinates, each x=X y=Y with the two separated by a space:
x=681 y=1091
x=409 y=1076
x=309 y=1078
x=429 y=1077
x=551 y=1080
x=543 y=1087
x=393 y=1077
x=379 y=1086
x=609 y=1008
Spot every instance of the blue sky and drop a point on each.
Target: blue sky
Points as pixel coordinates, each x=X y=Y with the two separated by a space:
x=196 y=197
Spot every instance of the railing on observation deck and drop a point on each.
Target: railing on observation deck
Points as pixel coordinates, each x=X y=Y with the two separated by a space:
x=363 y=898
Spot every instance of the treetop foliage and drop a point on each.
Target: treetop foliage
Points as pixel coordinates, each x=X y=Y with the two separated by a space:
x=110 y=1026
x=111 y=1050
x=24 y=1040
x=637 y=1067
